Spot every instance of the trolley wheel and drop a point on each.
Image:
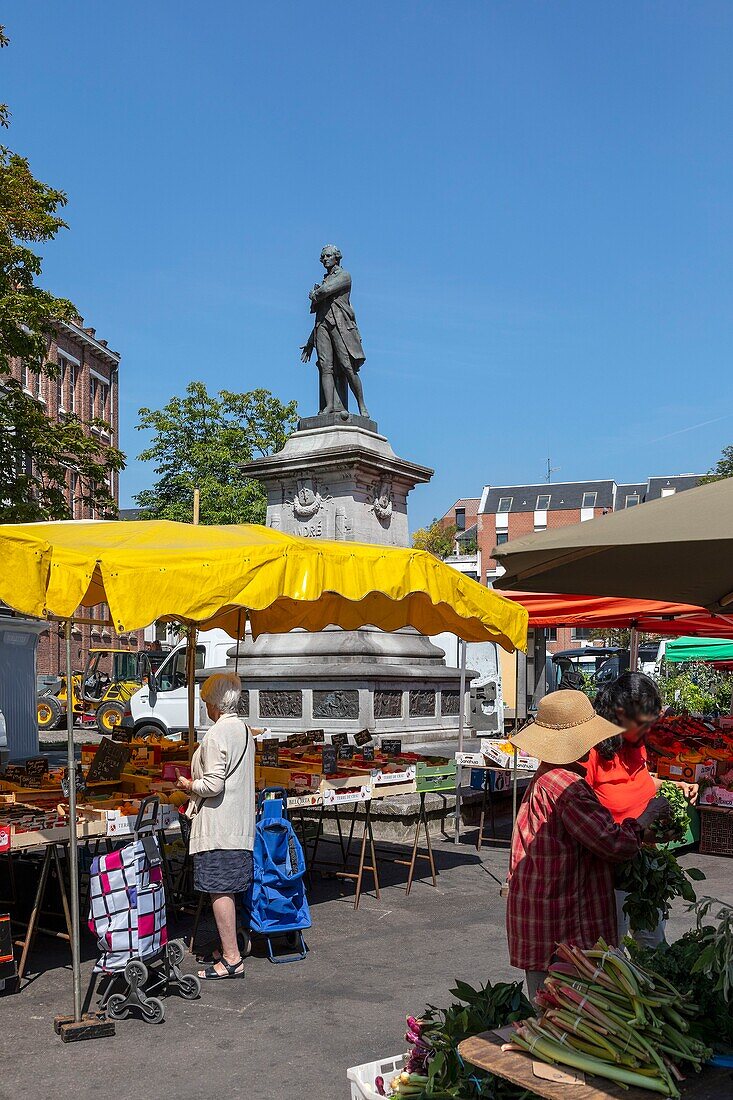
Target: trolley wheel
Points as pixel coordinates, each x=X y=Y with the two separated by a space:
x=176 y=952
x=189 y=987
x=136 y=973
x=153 y=1010
x=291 y=938
x=117 y=1007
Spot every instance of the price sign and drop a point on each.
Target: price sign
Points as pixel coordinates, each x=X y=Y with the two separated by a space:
x=368 y=752
x=35 y=769
x=363 y=737
x=296 y=740
x=329 y=757
x=81 y=785
x=315 y=737
x=109 y=760
x=270 y=753
x=391 y=746
x=346 y=752
x=339 y=739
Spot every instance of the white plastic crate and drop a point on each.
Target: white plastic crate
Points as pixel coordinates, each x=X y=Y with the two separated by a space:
x=362 y=1078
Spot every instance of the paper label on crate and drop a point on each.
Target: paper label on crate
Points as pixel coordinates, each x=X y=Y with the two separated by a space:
x=470 y=759
x=4 y=838
x=337 y=797
x=405 y=776
x=302 y=801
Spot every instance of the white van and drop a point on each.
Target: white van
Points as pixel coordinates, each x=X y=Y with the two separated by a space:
x=161 y=705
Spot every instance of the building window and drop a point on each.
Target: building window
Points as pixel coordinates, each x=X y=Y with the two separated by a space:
x=540 y=527
x=63 y=367
x=668 y=492
x=589 y=500
x=632 y=500
x=460 y=519
x=71 y=374
x=581 y=633
x=502 y=537
x=505 y=504
x=543 y=502
x=551 y=634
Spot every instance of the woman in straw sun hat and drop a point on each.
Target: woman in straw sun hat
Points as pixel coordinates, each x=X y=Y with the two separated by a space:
x=565 y=841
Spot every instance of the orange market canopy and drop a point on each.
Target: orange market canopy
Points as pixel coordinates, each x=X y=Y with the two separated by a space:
x=208 y=575
x=646 y=616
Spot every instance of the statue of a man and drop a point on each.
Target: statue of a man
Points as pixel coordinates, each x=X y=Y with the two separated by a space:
x=335 y=337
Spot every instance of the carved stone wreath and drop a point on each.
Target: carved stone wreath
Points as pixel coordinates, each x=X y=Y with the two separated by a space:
x=381 y=500
x=308 y=499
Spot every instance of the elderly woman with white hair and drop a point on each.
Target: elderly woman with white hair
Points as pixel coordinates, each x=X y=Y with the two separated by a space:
x=222 y=813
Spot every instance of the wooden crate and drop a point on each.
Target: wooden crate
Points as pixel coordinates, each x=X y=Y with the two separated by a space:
x=716 y=831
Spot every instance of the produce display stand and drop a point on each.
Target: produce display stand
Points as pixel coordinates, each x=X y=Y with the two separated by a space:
x=484 y=1051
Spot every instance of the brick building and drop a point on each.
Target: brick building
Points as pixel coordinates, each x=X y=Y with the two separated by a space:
x=507 y=512
x=87 y=386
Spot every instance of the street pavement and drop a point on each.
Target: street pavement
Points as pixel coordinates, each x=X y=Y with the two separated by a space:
x=287 y=1032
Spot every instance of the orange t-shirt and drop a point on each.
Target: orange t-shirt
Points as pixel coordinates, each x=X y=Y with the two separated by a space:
x=624 y=785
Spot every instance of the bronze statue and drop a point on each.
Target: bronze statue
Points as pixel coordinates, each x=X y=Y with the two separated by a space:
x=336 y=338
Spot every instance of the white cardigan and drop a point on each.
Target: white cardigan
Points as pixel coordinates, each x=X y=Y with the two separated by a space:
x=222 y=806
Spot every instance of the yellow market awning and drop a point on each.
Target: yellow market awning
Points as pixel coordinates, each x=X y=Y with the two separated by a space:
x=156 y=569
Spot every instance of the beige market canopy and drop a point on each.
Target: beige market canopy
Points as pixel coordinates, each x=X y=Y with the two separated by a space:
x=676 y=549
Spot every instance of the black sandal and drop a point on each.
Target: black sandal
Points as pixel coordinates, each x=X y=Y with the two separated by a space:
x=211 y=974
x=245 y=945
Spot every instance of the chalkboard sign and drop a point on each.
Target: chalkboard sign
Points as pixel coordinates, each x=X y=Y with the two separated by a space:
x=368 y=752
x=363 y=737
x=346 y=752
x=391 y=746
x=296 y=740
x=108 y=762
x=36 y=767
x=339 y=739
x=81 y=785
x=315 y=737
x=270 y=753
x=329 y=755
x=120 y=734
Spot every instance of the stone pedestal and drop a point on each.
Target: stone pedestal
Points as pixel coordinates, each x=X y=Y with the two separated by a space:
x=337 y=478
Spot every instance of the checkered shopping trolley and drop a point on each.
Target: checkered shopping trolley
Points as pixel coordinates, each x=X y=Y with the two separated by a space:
x=128 y=917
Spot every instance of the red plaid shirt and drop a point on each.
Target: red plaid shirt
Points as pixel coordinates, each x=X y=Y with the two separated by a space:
x=560 y=878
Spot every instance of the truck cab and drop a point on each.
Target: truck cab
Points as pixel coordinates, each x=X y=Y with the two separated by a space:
x=161 y=705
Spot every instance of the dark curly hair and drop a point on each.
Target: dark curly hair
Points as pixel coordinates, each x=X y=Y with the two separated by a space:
x=634 y=694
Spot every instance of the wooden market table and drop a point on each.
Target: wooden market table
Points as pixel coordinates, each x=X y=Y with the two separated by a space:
x=484 y=1051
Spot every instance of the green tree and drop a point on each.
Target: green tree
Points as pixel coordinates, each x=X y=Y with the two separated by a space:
x=436 y=538
x=723 y=467
x=36 y=453
x=198 y=443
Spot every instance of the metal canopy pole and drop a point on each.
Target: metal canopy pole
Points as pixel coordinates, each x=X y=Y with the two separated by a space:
x=191 y=686
x=73 y=840
x=461 y=709
x=634 y=649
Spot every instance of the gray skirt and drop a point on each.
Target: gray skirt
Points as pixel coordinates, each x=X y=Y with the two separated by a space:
x=222 y=871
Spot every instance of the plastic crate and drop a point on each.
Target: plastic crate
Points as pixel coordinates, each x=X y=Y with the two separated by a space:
x=436 y=777
x=716 y=831
x=362 y=1078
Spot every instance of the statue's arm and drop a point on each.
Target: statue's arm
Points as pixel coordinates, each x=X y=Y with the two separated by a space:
x=334 y=285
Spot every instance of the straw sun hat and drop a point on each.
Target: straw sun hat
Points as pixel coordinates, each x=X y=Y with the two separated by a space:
x=565 y=729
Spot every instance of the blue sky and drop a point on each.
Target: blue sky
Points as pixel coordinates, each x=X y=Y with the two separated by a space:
x=534 y=200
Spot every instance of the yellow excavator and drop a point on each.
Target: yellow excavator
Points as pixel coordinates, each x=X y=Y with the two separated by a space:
x=99 y=693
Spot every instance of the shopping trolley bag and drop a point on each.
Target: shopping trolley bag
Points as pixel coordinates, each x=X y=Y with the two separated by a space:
x=276 y=902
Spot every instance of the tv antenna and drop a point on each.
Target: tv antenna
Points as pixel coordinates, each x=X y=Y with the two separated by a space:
x=551 y=470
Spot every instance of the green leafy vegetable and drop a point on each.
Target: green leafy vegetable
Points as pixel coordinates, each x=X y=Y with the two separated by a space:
x=651 y=879
x=678 y=820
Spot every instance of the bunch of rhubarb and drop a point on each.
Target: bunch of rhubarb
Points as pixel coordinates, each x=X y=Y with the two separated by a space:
x=605 y=1015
